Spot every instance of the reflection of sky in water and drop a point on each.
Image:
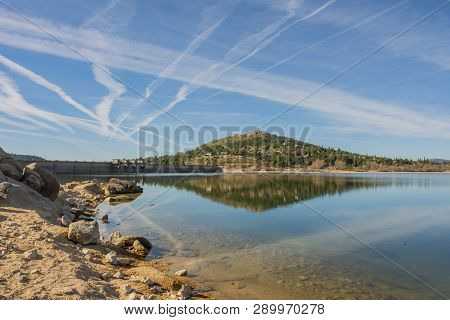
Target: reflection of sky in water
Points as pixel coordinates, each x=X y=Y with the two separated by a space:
x=406 y=217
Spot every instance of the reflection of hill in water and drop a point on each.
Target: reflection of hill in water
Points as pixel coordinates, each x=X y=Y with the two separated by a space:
x=259 y=193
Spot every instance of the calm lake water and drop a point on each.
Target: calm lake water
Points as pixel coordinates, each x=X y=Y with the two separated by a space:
x=299 y=236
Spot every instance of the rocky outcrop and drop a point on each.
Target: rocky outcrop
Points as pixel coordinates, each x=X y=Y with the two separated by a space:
x=116 y=186
x=84 y=232
x=50 y=187
x=16 y=194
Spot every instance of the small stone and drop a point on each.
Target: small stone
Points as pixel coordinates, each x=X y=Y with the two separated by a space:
x=112 y=258
x=127 y=289
x=185 y=292
x=148 y=282
x=104 y=218
x=23 y=279
x=85 y=251
x=118 y=275
x=133 y=296
x=106 y=276
x=152 y=297
x=156 y=289
x=181 y=273
x=31 y=254
x=84 y=232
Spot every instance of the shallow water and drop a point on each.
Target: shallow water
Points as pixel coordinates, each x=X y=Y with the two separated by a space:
x=278 y=236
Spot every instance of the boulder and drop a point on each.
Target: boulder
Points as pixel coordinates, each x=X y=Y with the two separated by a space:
x=90 y=187
x=116 y=186
x=50 y=187
x=84 y=232
x=18 y=195
x=11 y=171
x=134 y=244
x=32 y=179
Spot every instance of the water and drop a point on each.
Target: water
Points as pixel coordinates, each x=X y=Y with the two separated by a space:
x=355 y=236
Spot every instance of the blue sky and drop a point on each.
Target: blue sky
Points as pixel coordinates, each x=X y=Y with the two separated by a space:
x=75 y=75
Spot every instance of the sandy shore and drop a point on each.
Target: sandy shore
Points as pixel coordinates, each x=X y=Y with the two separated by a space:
x=37 y=261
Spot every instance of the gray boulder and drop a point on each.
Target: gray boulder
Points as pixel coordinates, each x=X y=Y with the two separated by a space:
x=32 y=179
x=9 y=166
x=51 y=186
x=84 y=232
x=16 y=194
x=11 y=171
x=116 y=186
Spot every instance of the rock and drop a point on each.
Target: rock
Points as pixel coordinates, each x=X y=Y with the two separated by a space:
x=127 y=242
x=116 y=186
x=106 y=276
x=119 y=199
x=156 y=289
x=92 y=187
x=133 y=296
x=18 y=195
x=139 y=249
x=23 y=279
x=84 y=232
x=127 y=289
x=9 y=166
x=118 y=275
x=50 y=187
x=104 y=218
x=32 y=179
x=71 y=185
x=152 y=297
x=2 y=177
x=112 y=258
x=65 y=221
x=31 y=254
x=181 y=273
x=148 y=282
x=185 y=292
x=11 y=171
x=85 y=251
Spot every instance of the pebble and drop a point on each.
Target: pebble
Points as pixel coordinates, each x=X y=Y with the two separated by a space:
x=105 y=218
x=31 y=254
x=153 y=297
x=112 y=258
x=181 y=273
x=185 y=292
x=133 y=296
x=148 y=282
x=118 y=275
x=106 y=275
x=23 y=278
x=85 y=251
x=127 y=289
x=156 y=289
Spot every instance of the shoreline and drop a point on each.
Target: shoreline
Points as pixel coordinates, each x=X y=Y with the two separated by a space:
x=38 y=261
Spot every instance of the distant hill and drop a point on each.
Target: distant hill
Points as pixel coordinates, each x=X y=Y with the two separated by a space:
x=25 y=157
x=259 y=150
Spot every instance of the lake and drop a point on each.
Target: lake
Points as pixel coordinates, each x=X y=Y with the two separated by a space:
x=299 y=236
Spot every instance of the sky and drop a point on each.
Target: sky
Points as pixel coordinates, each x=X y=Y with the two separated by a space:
x=79 y=78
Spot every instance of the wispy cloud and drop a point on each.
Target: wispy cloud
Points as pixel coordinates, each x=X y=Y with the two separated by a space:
x=116 y=89
x=338 y=105
x=45 y=83
x=212 y=18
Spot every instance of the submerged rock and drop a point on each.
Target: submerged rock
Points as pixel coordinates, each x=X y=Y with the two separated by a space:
x=84 y=232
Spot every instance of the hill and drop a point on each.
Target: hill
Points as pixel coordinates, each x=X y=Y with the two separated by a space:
x=259 y=150
x=26 y=157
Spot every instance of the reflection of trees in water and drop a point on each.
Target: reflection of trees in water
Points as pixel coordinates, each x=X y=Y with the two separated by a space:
x=259 y=193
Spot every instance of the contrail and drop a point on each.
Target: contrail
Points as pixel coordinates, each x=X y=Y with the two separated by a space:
x=214 y=16
x=256 y=41
x=46 y=84
x=359 y=24
x=103 y=108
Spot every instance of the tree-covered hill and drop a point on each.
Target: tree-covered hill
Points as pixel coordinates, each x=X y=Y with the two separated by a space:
x=259 y=150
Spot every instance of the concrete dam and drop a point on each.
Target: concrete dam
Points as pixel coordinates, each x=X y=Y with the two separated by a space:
x=118 y=167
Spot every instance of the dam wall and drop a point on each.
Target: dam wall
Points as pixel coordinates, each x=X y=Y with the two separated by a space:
x=109 y=168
